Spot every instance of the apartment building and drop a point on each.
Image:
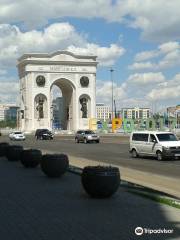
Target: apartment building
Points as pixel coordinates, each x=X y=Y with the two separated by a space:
x=102 y=111
x=136 y=113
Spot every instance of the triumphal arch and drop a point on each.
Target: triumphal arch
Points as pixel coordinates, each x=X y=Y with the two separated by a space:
x=74 y=74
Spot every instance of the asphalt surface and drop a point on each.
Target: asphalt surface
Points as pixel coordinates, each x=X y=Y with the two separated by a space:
x=111 y=150
x=34 y=207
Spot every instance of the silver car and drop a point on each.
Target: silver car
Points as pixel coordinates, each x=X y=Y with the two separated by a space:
x=86 y=136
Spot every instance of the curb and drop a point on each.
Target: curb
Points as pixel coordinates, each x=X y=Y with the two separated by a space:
x=141 y=191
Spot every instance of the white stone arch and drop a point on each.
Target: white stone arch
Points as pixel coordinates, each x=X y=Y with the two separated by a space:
x=40 y=97
x=67 y=88
x=63 y=69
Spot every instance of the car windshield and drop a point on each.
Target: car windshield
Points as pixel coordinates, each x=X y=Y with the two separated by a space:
x=165 y=137
x=89 y=132
x=45 y=131
x=17 y=132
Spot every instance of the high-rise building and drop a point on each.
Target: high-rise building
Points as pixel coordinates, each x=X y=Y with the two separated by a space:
x=135 y=113
x=102 y=111
x=58 y=112
x=8 y=112
x=11 y=113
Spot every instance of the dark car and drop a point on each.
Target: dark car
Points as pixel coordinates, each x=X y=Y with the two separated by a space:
x=43 y=134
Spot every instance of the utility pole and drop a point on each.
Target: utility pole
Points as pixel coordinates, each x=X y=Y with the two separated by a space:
x=112 y=100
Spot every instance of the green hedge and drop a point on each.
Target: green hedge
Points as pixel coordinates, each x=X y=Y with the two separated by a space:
x=9 y=123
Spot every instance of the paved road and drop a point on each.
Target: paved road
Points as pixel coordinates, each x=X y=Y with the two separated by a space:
x=112 y=153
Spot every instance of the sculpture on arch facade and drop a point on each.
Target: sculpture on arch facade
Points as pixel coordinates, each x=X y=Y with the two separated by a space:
x=39 y=107
x=84 y=110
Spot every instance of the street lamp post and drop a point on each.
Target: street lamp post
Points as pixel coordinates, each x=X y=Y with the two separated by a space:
x=111 y=71
x=52 y=108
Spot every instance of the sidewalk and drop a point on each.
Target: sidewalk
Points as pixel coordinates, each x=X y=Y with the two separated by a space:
x=168 y=185
x=161 y=183
x=34 y=207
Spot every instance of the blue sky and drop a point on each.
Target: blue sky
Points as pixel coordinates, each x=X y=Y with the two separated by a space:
x=134 y=37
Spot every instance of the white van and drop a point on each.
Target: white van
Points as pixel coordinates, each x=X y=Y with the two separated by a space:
x=153 y=143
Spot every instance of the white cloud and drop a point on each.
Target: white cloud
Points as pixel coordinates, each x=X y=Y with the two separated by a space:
x=143 y=56
x=141 y=66
x=124 y=96
x=168 y=56
x=106 y=55
x=134 y=102
x=14 y=43
x=133 y=91
x=170 y=90
x=9 y=91
x=158 y=20
x=36 y=13
x=104 y=92
x=141 y=79
x=3 y=72
x=172 y=59
x=169 y=47
x=164 y=93
x=142 y=90
x=58 y=36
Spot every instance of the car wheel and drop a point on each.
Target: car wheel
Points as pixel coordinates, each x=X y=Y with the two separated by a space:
x=159 y=156
x=97 y=141
x=134 y=153
x=85 y=140
x=76 y=140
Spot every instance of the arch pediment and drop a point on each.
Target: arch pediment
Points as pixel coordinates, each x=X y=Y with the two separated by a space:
x=69 y=56
x=62 y=56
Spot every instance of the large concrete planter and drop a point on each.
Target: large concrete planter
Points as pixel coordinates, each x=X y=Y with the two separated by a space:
x=100 y=181
x=31 y=158
x=13 y=152
x=3 y=148
x=54 y=165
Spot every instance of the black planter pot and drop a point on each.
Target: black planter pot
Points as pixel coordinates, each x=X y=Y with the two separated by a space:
x=30 y=158
x=100 y=181
x=13 y=152
x=3 y=148
x=54 y=165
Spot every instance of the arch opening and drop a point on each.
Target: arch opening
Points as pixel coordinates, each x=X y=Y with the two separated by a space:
x=62 y=104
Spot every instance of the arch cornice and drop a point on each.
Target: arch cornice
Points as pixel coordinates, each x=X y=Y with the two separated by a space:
x=45 y=62
x=59 y=52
